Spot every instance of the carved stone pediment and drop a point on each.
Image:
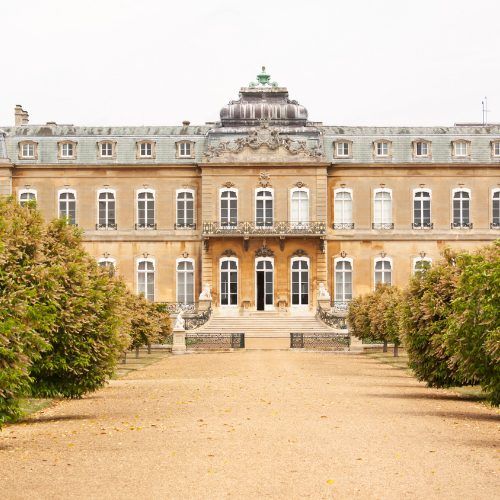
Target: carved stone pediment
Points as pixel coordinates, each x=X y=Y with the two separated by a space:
x=264 y=251
x=228 y=253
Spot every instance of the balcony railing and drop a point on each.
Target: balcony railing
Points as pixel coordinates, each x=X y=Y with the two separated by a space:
x=461 y=225
x=383 y=226
x=422 y=225
x=343 y=226
x=185 y=225
x=175 y=308
x=278 y=228
x=495 y=225
x=106 y=226
x=145 y=225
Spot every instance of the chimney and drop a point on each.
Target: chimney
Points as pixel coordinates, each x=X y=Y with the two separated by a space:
x=186 y=123
x=21 y=117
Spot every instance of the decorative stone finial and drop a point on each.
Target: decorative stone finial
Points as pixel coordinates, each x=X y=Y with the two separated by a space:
x=264 y=79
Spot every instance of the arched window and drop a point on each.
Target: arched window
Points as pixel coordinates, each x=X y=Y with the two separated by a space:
x=343 y=209
x=422 y=209
x=299 y=205
x=264 y=269
x=106 y=209
x=343 y=281
x=495 y=209
x=228 y=207
x=185 y=209
x=229 y=281
x=108 y=263
x=421 y=264
x=146 y=278
x=185 y=281
x=146 y=209
x=383 y=271
x=300 y=281
x=264 y=207
x=382 y=209
x=26 y=195
x=461 y=209
x=67 y=205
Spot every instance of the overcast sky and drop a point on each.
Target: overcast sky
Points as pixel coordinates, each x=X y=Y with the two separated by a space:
x=154 y=62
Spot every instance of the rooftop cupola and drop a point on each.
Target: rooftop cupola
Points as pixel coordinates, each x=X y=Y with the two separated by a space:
x=263 y=100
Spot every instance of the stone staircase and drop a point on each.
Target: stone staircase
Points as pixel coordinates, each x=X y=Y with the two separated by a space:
x=266 y=330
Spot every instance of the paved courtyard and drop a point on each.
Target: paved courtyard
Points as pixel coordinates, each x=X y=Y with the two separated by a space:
x=257 y=425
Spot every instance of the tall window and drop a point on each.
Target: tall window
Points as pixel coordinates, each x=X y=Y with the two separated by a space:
x=343 y=280
x=300 y=281
x=343 y=209
x=185 y=281
x=106 y=210
x=185 y=210
x=67 y=205
x=382 y=209
x=300 y=206
x=461 y=209
x=421 y=264
x=108 y=263
x=495 y=209
x=422 y=209
x=229 y=281
x=228 y=207
x=383 y=271
x=264 y=207
x=26 y=195
x=146 y=209
x=146 y=279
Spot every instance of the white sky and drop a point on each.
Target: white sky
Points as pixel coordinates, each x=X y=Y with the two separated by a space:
x=153 y=62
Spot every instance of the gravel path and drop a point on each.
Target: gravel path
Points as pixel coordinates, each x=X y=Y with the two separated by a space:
x=269 y=424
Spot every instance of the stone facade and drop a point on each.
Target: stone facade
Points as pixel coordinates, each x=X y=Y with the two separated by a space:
x=264 y=205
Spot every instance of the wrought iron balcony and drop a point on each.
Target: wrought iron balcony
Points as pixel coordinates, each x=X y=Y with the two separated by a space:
x=185 y=225
x=422 y=225
x=495 y=225
x=278 y=228
x=341 y=305
x=461 y=225
x=175 y=308
x=343 y=226
x=105 y=226
x=145 y=225
x=383 y=226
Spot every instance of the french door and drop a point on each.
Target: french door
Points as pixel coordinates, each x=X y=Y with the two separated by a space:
x=300 y=282
x=264 y=284
x=229 y=282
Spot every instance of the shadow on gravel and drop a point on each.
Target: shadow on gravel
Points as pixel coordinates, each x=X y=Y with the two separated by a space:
x=425 y=395
x=455 y=415
x=59 y=418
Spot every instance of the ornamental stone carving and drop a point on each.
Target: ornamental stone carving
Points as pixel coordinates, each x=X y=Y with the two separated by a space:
x=299 y=184
x=299 y=253
x=228 y=184
x=264 y=179
x=228 y=253
x=264 y=251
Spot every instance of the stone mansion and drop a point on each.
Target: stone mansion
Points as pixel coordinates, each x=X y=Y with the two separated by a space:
x=263 y=205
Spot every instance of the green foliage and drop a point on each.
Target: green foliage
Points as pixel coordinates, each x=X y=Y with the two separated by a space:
x=84 y=338
x=423 y=320
x=22 y=317
x=472 y=336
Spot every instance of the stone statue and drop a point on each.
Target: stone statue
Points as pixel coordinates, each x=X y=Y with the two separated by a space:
x=179 y=323
x=323 y=293
x=206 y=293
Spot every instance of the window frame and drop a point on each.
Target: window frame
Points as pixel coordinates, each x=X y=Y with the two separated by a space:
x=302 y=258
x=147 y=225
x=494 y=144
x=461 y=224
x=177 y=262
x=308 y=195
x=468 y=148
x=342 y=224
x=415 y=144
x=179 y=145
x=106 y=142
x=63 y=191
x=257 y=260
x=336 y=260
x=493 y=224
x=26 y=191
x=185 y=226
x=269 y=190
x=336 y=145
x=107 y=226
x=21 y=154
x=375 y=148
x=419 y=259
x=139 y=154
x=107 y=260
x=138 y=261
x=232 y=258
x=382 y=259
x=422 y=224
x=61 y=145
x=383 y=223
x=221 y=192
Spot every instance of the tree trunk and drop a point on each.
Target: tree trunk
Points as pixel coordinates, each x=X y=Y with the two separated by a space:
x=384 y=349
x=136 y=352
x=149 y=347
x=396 y=350
x=124 y=357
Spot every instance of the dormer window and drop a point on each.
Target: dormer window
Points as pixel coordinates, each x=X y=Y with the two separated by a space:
x=343 y=149
x=421 y=148
x=185 y=149
x=382 y=149
x=461 y=148
x=28 y=150
x=495 y=148
x=146 y=149
x=67 y=150
x=107 y=149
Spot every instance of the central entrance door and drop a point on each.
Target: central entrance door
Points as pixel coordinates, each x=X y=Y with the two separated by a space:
x=264 y=284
